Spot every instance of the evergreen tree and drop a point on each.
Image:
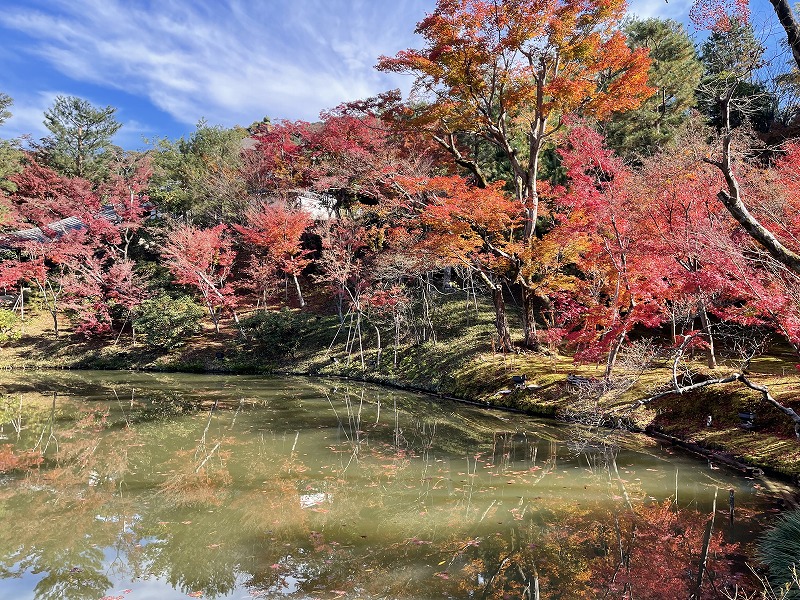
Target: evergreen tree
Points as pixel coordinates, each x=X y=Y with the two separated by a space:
x=198 y=176
x=731 y=58
x=10 y=154
x=674 y=72
x=5 y=102
x=80 y=144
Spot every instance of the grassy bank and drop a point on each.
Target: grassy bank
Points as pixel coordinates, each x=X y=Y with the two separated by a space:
x=460 y=363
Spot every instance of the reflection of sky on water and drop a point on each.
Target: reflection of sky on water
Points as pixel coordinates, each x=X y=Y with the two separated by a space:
x=19 y=589
x=241 y=499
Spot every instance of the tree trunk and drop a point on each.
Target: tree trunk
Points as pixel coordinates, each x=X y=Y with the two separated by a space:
x=613 y=353
x=784 y=11
x=501 y=321
x=299 y=293
x=380 y=349
x=529 y=318
x=732 y=198
x=712 y=357
x=212 y=312
x=396 y=336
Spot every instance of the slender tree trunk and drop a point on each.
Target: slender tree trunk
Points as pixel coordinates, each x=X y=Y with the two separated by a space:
x=674 y=322
x=732 y=198
x=239 y=325
x=396 y=336
x=786 y=17
x=712 y=356
x=212 y=312
x=380 y=350
x=299 y=293
x=501 y=321
x=348 y=346
x=360 y=342
x=614 y=353
x=50 y=302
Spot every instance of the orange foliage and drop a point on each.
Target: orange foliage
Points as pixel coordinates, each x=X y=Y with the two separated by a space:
x=548 y=56
x=12 y=461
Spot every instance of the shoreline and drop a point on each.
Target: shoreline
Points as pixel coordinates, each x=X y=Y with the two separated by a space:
x=730 y=460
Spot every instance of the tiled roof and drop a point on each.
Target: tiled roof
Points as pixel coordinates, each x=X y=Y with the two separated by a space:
x=35 y=234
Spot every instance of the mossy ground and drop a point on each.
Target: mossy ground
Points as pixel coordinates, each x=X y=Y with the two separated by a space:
x=462 y=363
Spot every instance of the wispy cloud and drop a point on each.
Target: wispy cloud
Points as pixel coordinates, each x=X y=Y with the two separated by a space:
x=231 y=62
x=27 y=115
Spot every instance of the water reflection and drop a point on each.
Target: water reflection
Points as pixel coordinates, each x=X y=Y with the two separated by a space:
x=176 y=486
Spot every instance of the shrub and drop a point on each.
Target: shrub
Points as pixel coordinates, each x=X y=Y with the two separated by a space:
x=9 y=325
x=276 y=334
x=779 y=549
x=166 y=322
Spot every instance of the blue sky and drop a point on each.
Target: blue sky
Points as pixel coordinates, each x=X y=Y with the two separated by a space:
x=165 y=64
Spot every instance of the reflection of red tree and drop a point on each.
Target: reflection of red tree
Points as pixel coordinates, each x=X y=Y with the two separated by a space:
x=12 y=461
x=656 y=556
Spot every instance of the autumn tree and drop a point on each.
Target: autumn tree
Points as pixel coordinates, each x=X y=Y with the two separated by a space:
x=275 y=232
x=344 y=245
x=202 y=259
x=346 y=160
x=468 y=226
x=686 y=236
x=80 y=141
x=718 y=15
x=41 y=199
x=72 y=244
x=509 y=72
x=616 y=285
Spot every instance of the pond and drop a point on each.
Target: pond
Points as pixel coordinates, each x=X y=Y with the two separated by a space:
x=124 y=485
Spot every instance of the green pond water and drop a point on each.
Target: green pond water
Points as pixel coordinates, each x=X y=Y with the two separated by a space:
x=153 y=486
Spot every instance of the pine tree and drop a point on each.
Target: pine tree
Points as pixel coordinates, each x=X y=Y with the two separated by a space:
x=80 y=144
x=674 y=72
x=5 y=102
x=10 y=154
x=731 y=58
